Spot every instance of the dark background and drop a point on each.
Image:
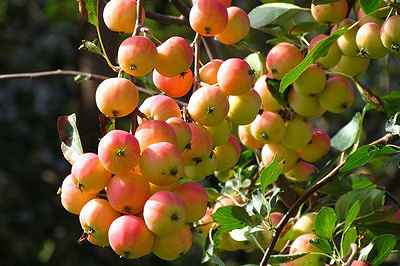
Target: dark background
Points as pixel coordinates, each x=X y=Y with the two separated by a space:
x=39 y=35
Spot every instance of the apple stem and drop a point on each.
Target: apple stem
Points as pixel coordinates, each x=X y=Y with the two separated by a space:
x=139 y=18
x=197 y=44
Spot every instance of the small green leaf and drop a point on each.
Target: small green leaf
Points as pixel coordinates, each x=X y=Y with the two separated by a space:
x=257 y=63
x=304 y=27
x=106 y=124
x=270 y=174
x=349 y=237
x=379 y=248
x=352 y=214
x=324 y=2
x=232 y=217
x=212 y=194
x=272 y=13
x=319 y=50
x=325 y=222
x=92 y=46
x=392 y=125
x=346 y=136
x=71 y=145
x=88 y=9
x=369 y=6
x=280 y=259
x=80 y=78
x=323 y=244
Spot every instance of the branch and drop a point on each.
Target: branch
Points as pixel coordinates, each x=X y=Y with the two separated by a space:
x=292 y=210
x=184 y=9
x=180 y=21
x=212 y=49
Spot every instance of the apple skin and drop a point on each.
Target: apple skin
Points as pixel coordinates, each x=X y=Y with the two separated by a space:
x=208 y=72
x=205 y=223
x=137 y=55
x=182 y=131
x=159 y=107
x=283 y=154
x=268 y=102
x=130 y=238
x=311 y=81
x=208 y=105
x=227 y=201
x=243 y=109
x=353 y=66
x=95 y=218
x=275 y=218
x=221 y=132
x=237 y=28
x=119 y=151
x=247 y=139
x=305 y=105
x=161 y=163
x=120 y=15
x=89 y=174
x=155 y=188
x=302 y=244
x=235 y=76
x=333 y=56
x=73 y=199
x=164 y=213
x=360 y=263
x=300 y=172
x=122 y=187
x=282 y=58
x=208 y=17
x=317 y=148
x=268 y=127
x=298 y=133
x=305 y=225
x=153 y=131
x=226 y=3
x=195 y=198
x=116 y=97
x=369 y=41
x=200 y=146
x=329 y=14
x=368 y=19
x=202 y=168
x=337 y=96
x=176 y=86
x=227 y=154
x=173 y=246
x=390 y=34
x=347 y=42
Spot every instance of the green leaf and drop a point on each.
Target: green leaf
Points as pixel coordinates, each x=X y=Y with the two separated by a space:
x=210 y=246
x=106 y=124
x=391 y=102
x=344 y=185
x=370 y=200
x=270 y=174
x=349 y=237
x=212 y=194
x=323 y=2
x=71 y=145
x=352 y=214
x=369 y=6
x=319 y=50
x=379 y=248
x=272 y=14
x=323 y=244
x=88 y=9
x=346 y=136
x=363 y=154
x=304 y=27
x=257 y=63
x=279 y=259
x=392 y=125
x=92 y=46
x=216 y=260
x=232 y=217
x=380 y=228
x=325 y=222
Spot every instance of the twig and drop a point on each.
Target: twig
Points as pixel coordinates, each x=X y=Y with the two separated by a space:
x=354 y=250
x=292 y=210
x=180 y=21
x=139 y=18
x=212 y=49
x=197 y=44
x=288 y=196
x=184 y=9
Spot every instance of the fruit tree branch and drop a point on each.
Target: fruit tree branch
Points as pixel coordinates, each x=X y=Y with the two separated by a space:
x=212 y=49
x=184 y=9
x=139 y=17
x=293 y=209
x=180 y=21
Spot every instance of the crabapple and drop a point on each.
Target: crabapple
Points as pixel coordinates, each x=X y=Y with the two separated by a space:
x=283 y=154
x=221 y=132
x=176 y=86
x=282 y=58
x=122 y=187
x=227 y=201
x=161 y=163
x=160 y=107
x=235 y=76
x=353 y=66
x=247 y=139
x=298 y=133
x=119 y=151
x=311 y=81
x=195 y=198
x=360 y=263
x=208 y=17
x=304 y=225
x=347 y=42
x=137 y=55
x=95 y=218
x=200 y=146
x=302 y=244
x=208 y=72
x=130 y=238
x=182 y=131
x=164 y=213
x=338 y=95
x=173 y=246
x=208 y=105
x=317 y=148
x=174 y=56
x=274 y=219
x=200 y=170
x=89 y=174
x=333 y=55
x=329 y=14
x=244 y=108
x=300 y=172
x=367 y=19
x=205 y=223
x=73 y=199
x=269 y=103
x=120 y=15
x=305 y=105
x=237 y=28
x=390 y=34
x=153 y=131
x=227 y=154
x=116 y=97
x=369 y=42
x=268 y=127
x=155 y=188
x=227 y=3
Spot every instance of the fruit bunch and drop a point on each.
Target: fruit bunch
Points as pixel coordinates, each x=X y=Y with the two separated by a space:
x=139 y=194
